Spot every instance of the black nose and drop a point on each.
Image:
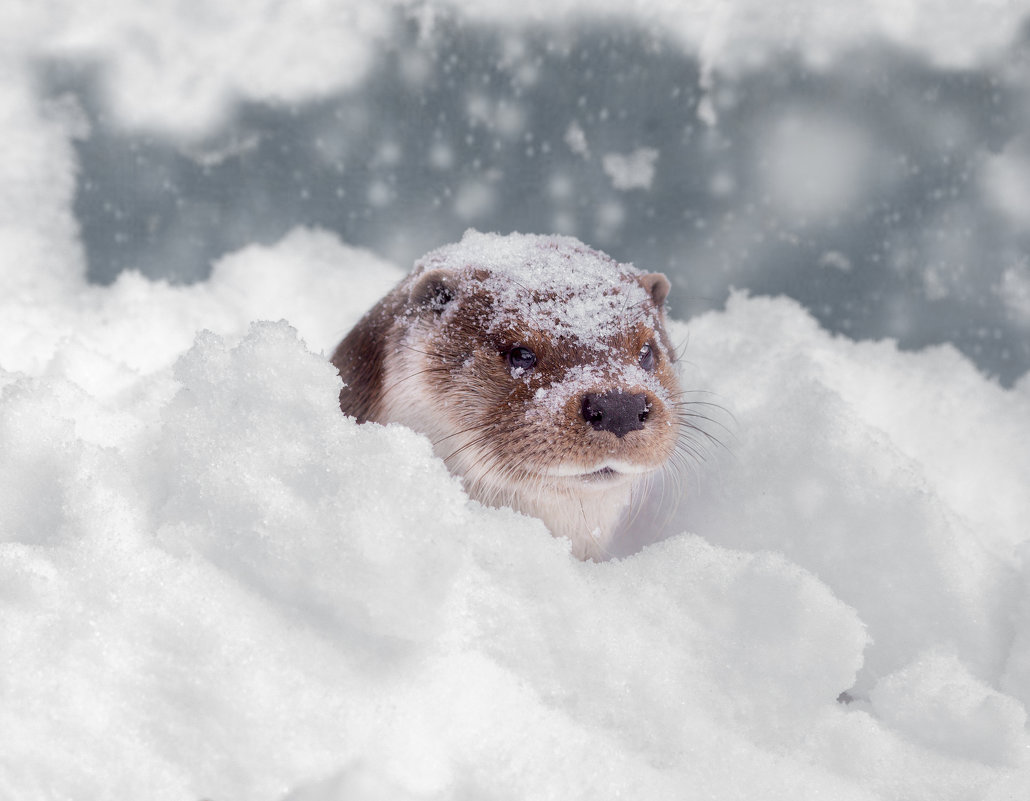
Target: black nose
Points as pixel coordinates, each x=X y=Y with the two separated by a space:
x=618 y=412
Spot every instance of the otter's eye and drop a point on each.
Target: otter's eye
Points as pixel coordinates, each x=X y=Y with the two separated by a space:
x=647 y=358
x=520 y=358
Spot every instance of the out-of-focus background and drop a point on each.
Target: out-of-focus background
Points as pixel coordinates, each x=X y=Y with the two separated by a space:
x=882 y=179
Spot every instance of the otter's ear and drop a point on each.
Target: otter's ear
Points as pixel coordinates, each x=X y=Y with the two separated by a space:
x=658 y=287
x=434 y=289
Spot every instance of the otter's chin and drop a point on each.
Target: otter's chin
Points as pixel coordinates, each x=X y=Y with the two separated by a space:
x=605 y=472
x=606 y=477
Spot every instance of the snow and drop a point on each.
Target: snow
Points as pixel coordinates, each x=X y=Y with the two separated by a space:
x=169 y=69
x=576 y=139
x=582 y=379
x=178 y=71
x=553 y=284
x=813 y=166
x=1005 y=177
x=745 y=33
x=217 y=583
x=214 y=585
x=633 y=170
x=937 y=702
x=1014 y=291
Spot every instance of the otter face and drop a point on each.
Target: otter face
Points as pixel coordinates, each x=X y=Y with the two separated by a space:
x=546 y=379
x=562 y=413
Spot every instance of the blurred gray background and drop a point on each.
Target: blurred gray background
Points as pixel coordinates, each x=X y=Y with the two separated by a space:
x=891 y=198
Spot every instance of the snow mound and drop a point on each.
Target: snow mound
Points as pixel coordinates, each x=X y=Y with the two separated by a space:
x=215 y=581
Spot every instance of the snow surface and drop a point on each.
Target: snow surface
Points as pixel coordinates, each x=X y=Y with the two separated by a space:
x=214 y=585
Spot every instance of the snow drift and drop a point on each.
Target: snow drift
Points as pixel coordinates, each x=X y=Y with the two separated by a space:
x=215 y=585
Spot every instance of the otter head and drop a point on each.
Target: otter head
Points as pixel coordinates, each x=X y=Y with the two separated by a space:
x=542 y=373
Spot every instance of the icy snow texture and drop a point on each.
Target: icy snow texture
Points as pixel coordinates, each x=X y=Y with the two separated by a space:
x=218 y=584
x=553 y=284
x=215 y=585
x=582 y=379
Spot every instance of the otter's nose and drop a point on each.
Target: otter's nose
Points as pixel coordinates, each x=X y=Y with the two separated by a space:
x=618 y=412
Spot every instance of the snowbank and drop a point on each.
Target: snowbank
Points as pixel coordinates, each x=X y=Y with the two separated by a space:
x=215 y=585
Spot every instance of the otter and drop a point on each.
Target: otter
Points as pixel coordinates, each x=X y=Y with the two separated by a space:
x=539 y=368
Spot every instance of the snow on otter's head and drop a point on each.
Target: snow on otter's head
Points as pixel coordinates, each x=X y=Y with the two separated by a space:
x=554 y=284
x=539 y=368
